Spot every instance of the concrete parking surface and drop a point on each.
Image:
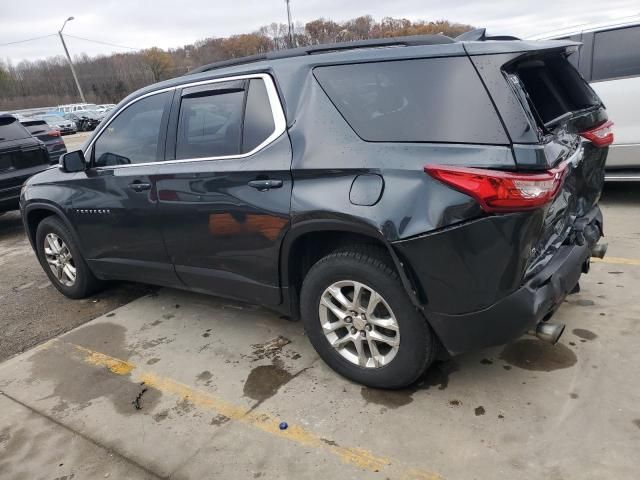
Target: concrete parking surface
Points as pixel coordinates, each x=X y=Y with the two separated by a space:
x=180 y=385
x=31 y=309
x=75 y=141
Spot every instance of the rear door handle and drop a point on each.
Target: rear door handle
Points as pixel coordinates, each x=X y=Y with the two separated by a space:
x=138 y=186
x=263 y=185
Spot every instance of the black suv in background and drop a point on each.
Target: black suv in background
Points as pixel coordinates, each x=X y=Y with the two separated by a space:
x=434 y=196
x=51 y=137
x=21 y=156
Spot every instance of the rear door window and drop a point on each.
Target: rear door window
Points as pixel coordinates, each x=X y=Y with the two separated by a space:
x=223 y=119
x=616 y=53
x=425 y=100
x=210 y=124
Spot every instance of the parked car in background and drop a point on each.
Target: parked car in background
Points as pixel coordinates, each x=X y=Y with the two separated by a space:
x=106 y=107
x=76 y=107
x=85 y=120
x=610 y=60
x=404 y=203
x=60 y=123
x=47 y=135
x=21 y=155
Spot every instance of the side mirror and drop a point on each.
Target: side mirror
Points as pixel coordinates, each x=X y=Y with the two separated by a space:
x=73 y=162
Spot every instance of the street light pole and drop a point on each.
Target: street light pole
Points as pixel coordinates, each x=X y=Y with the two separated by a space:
x=289 y=24
x=73 y=70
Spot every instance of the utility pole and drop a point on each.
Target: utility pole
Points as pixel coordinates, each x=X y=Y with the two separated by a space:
x=73 y=70
x=290 y=23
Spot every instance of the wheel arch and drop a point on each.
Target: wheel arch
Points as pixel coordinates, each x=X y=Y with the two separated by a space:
x=309 y=240
x=34 y=213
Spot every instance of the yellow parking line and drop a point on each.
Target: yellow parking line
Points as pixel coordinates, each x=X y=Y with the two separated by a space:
x=357 y=457
x=617 y=260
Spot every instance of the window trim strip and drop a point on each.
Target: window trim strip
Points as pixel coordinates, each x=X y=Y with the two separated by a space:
x=277 y=112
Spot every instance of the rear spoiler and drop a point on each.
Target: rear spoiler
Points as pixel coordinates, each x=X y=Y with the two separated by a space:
x=480 y=35
x=477 y=42
x=484 y=47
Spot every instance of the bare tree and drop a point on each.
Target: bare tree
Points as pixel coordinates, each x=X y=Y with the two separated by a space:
x=49 y=82
x=158 y=61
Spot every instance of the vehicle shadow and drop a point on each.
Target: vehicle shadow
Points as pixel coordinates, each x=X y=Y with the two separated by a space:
x=621 y=193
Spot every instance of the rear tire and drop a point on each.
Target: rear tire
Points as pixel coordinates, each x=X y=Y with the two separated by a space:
x=393 y=320
x=62 y=261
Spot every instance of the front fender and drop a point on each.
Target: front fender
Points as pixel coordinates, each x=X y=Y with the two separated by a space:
x=31 y=207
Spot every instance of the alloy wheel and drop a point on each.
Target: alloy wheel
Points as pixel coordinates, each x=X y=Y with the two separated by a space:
x=359 y=324
x=59 y=259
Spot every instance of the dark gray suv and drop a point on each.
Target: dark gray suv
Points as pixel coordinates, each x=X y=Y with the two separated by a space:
x=21 y=156
x=405 y=198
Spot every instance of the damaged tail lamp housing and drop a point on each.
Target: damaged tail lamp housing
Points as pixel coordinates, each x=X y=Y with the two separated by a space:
x=498 y=191
x=600 y=136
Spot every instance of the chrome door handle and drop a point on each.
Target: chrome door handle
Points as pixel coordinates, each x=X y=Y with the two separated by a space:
x=267 y=184
x=139 y=186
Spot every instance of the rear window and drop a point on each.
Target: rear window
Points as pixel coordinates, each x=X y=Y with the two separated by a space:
x=551 y=88
x=36 y=127
x=10 y=129
x=616 y=53
x=426 y=100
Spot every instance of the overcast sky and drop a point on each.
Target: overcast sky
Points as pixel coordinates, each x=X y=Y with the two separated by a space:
x=171 y=23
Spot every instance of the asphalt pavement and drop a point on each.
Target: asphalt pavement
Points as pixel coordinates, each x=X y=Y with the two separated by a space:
x=31 y=309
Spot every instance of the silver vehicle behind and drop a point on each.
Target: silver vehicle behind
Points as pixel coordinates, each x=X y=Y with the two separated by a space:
x=609 y=60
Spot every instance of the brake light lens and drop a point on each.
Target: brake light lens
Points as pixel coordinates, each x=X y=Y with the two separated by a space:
x=498 y=191
x=601 y=136
x=54 y=133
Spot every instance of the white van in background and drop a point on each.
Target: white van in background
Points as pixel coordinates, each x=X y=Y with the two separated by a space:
x=76 y=107
x=609 y=60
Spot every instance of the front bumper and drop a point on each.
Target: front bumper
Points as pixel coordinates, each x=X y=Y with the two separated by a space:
x=523 y=308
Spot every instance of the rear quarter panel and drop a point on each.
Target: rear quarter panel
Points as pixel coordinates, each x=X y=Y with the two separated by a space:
x=328 y=156
x=445 y=241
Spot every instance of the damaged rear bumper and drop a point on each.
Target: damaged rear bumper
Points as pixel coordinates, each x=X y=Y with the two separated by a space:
x=520 y=311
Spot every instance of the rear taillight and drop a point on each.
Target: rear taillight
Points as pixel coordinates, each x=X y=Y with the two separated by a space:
x=498 y=191
x=54 y=133
x=601 y=136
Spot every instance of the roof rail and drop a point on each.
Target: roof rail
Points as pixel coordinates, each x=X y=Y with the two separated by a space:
x=409 y=41
x=480 y=35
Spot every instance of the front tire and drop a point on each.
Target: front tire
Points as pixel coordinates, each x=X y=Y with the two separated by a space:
x=61 y=260
x=362 y=323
